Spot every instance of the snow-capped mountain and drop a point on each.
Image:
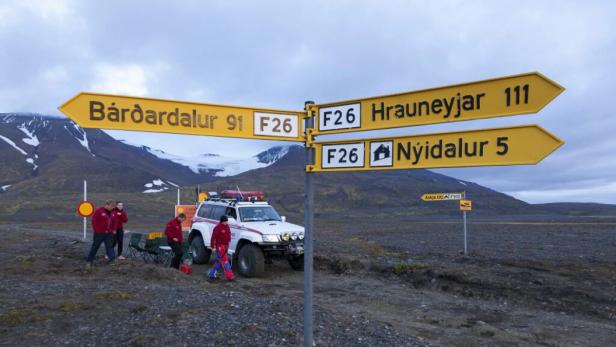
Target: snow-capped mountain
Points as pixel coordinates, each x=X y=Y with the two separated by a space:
x=222 y=166
x=44 y=160
x=54 y=153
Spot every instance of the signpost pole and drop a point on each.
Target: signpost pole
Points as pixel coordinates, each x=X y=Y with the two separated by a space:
x=309 y=231
x=178 y=196
x=464 y=220
x=85 y=197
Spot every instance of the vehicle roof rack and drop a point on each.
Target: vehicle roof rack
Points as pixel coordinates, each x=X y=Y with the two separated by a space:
x=233 y=202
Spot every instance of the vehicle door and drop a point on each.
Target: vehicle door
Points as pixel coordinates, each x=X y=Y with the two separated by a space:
x=206 y=228
x=235 y=231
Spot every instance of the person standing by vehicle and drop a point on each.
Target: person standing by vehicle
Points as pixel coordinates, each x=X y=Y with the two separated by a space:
x=120 y=217
x=173 y=230
x=102 y=225
x=220 y=244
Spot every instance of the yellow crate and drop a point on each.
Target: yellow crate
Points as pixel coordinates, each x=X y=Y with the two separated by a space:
x=155 y=235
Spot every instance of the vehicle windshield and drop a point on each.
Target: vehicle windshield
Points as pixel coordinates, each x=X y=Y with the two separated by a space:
x=259 y=214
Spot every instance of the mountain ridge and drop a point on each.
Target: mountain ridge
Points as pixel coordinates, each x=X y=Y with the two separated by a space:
x=46 y=159
x=36 y=148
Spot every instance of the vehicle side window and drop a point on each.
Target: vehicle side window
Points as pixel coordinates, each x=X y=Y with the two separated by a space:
x=231 y=212
x=204 y=211
x=217 y=212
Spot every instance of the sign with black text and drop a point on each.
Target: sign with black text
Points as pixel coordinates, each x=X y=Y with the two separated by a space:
x=517 y=145
x=102 y=111
x=349 y=155
x=505 y=96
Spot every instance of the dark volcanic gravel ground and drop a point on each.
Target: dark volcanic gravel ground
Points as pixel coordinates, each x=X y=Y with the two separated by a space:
x=377 y=283
x=504 y=240
x=52 y=300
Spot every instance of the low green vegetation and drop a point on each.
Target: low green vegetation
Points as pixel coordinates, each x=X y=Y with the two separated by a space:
x=112 y=296
x=406 y=267
x=18 y=316
x=370 y=248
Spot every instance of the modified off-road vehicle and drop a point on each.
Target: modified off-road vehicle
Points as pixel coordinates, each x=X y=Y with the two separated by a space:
x=258 y=232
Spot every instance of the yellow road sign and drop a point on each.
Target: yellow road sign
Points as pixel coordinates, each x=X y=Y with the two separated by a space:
x=466 y=205
x=517 y=145
x=441 y=196
x=505 y=96
x=104 y=111
x=85 y=208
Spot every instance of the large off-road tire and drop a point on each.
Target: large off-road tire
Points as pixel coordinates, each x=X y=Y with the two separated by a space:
x=250 y=261
x=200 y=253
x=296 y=262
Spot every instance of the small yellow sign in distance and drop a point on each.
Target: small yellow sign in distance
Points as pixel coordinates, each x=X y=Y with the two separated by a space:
x=102 y=111
x=441 y=196
x=466 y=205
x=517 y=145
x=202 y=196
x=505 y=96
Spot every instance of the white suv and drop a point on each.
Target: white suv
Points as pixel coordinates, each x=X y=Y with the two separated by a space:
x=258 y=234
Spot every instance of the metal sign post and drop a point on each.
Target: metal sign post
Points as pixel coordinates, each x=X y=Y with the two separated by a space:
x=464 y=220
x=308 y=228
x=85 y=198
x=465 y=205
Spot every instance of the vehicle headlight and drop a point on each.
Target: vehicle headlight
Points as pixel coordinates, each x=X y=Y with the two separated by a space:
x=285 y=237
x=301 y=236
x=294 y=236
x=270 y=238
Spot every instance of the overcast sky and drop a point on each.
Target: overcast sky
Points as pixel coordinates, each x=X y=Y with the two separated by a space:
x=277 y=54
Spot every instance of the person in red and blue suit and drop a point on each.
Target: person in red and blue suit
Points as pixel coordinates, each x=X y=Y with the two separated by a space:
x=221 y=237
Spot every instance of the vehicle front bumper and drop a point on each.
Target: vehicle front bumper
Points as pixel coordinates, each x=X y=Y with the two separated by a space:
x=291 y=248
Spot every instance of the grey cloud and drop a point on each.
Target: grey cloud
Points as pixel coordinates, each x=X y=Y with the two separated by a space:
x=278 y=54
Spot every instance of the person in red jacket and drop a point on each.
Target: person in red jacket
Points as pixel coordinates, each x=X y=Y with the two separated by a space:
x=102 y=225
x=119 y=218
x=221 y=237
x=173 y=230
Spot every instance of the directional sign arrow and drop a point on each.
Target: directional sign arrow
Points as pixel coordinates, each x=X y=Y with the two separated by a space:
x=505 y=96
x=103 y=111
x=517 y=145
x=441 y=196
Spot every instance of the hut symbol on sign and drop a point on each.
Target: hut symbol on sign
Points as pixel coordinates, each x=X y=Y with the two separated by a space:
x=382 y=152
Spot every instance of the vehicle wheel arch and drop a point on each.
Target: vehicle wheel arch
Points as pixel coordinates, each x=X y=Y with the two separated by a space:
x=193 y=233
x=241 y=243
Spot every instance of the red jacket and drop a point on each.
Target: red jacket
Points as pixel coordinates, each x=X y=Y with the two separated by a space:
x=174 y=230
x=102 y=221
x=119 y=218
x=221 y=236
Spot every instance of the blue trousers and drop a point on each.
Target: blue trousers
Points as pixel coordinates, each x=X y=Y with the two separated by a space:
x=220 y=262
